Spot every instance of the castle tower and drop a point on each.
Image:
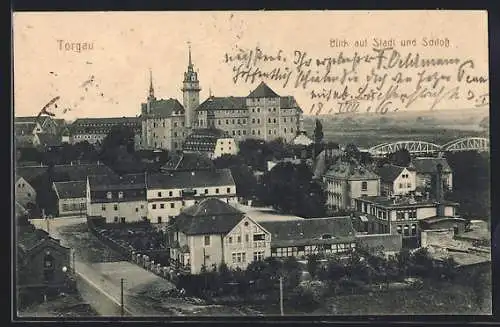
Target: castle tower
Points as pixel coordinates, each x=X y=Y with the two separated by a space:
x=151 y=95
x=191 y=93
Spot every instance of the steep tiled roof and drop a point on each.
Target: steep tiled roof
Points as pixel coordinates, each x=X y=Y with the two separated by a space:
x=288 y=102
x=164 y=108
x=102 y=125
x=47 y=140
x=310 y=231
x=384 y=242
x=388 y=173
x=222 y=103
x=113 y=181
x=406 y=201
x=67 y=173
x=30 y=173
x=187 y=162
x=211 y=207
x=24 y=128
x=70 y=190
x=263 y=91
x=106 y=121
x=428 y=165
x=187 y=179
x=204 y=139
x=210 y=216
x=350 y=171
x=26 y=119
x=29 y=237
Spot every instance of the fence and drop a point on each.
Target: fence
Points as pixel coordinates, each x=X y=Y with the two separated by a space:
x=155 y=261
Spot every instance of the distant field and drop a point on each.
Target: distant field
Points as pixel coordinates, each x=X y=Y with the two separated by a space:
x=369 y=134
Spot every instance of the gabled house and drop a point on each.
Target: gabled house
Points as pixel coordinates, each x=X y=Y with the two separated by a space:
x=118 y=199
x=71 y=198
x=168 y=194
x=346 y=181
x=212 y=232
x=187 y=162
x=46 y=141
x=300 y=238
x=210 y=142
x=43 y=264
x=24 y=192
x=425 y=168
x=396 y=180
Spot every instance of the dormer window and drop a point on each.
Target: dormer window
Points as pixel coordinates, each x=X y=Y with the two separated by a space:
x=120 y=195
x=326 y=236
x=108 y=195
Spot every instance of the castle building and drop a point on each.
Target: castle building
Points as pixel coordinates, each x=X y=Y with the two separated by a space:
x=262 y=114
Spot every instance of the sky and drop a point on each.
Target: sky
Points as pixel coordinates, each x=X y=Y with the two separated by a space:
x=126 y=45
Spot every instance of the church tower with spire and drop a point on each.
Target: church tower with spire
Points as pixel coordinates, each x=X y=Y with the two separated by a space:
x=191 y=93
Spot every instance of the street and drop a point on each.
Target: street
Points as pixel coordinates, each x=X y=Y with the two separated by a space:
x=98 y=267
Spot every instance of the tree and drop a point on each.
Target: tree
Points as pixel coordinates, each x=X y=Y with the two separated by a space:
x=313 y=265
x=318 y=132
x=401 y=158
x=290 y=189
x=352 y=152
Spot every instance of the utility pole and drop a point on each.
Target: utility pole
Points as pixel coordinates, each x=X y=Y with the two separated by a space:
x=281 y=295
x=121 y=298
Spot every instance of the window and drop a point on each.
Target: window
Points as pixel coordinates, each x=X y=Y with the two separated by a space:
x=159 y=220
x=398 y=228
x=172 y=205
x=48 y=267
x=269 y=120
x=259 y=237
x=408 y=185
x=65 y=207
x=122 y=220
x=230 y=240
x=159 y=194
x=219 y=122
x=206 y=191
x=103 y=207
x=414 y=229
x=400 y=215
x=228 y=190
x=247 y=239
x=364 y=186
x=120 y=195
x=258 y=120
x=239 y=239
x=217 y=191
x=175 y=124
x=154 y=206
x=274 y=120
x=162 y=205
x=406 y=231
x=207 y=240
x=142 y=206
x=116 y=219
x=136 y=209
x=400 y=185
x=108 y=195
x=259 y=255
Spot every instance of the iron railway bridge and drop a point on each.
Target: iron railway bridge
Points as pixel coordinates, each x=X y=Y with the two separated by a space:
x=415 y=148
